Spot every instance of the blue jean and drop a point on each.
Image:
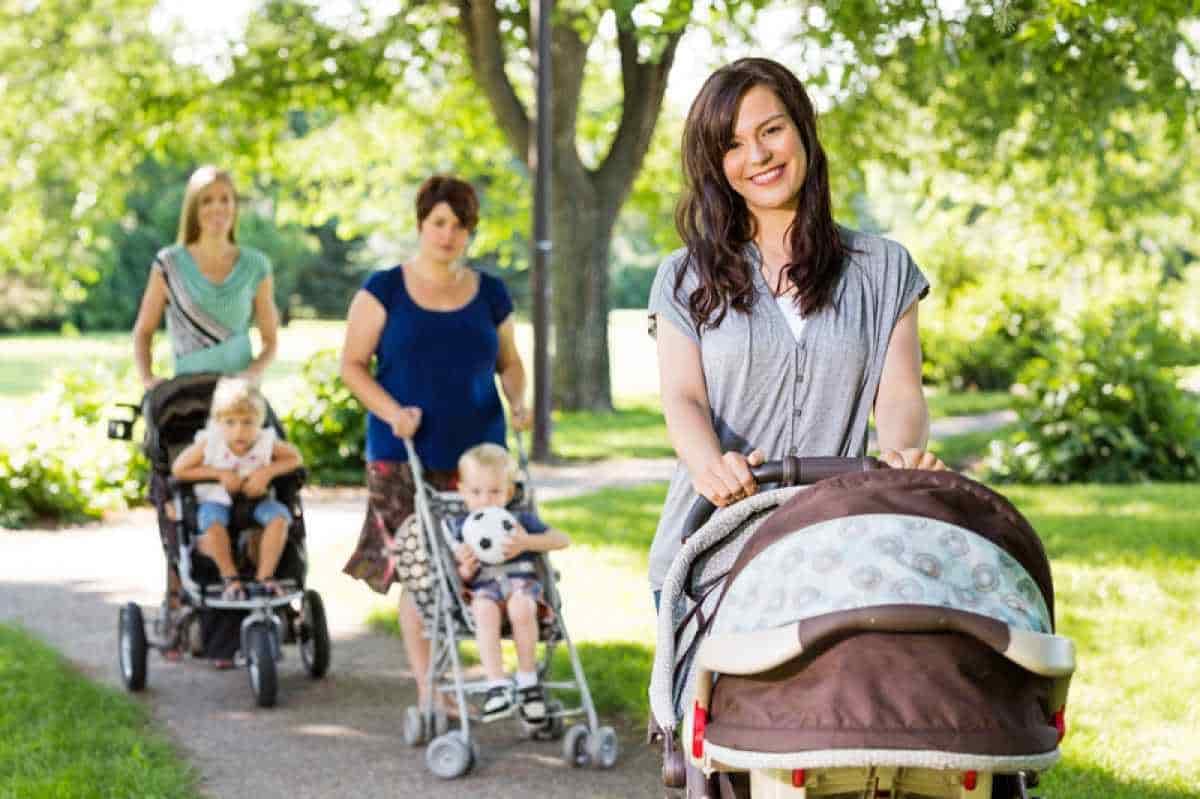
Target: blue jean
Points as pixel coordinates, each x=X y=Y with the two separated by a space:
x=210 y=513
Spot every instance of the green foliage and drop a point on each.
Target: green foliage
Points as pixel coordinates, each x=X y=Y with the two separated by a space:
x=63 y=467
x=330 y=426
x=984 y=336
x=63 y=736
x=1101 y=404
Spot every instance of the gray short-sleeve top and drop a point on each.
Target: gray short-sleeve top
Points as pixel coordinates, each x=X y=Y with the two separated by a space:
x=768 y=390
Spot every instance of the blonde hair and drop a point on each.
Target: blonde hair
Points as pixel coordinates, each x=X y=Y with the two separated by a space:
x=237 y=395
x=491 y=457
x=189 y=215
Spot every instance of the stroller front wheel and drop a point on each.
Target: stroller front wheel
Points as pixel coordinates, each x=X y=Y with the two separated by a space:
x=603 y=748
x=575 y=749
x=263 y=679
x=449 y=756
x=131 y=644
x=414 y=726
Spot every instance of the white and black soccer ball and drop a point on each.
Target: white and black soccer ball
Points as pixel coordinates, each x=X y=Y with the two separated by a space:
x=487 y=530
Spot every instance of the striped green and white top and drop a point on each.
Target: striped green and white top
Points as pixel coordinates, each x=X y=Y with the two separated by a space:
x=209 y=323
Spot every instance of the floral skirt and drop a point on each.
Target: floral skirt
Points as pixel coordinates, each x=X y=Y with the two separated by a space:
x=391 y=500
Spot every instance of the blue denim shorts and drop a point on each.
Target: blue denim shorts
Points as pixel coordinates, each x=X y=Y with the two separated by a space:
x=210 y=513
x=495 y=590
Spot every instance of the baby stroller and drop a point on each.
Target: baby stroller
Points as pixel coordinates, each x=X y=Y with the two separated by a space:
x=424 y=547
x=204 y=623
x=881 y=633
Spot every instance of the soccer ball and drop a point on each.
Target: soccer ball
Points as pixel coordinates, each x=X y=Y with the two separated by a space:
x=487 y=530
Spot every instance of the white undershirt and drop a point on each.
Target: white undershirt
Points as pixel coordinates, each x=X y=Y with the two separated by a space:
x=787 y=304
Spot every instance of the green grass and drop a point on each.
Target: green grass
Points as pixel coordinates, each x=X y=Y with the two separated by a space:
x=965 y=403
x=962 y=452
x=63 y=736
x=1126 y=563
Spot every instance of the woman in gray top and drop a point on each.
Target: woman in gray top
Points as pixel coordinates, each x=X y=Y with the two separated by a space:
x=778 y=331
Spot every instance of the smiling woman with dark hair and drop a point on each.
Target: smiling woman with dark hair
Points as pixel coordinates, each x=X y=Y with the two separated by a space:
x=779 y=332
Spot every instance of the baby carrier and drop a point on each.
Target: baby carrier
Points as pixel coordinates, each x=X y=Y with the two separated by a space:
x=880 y=633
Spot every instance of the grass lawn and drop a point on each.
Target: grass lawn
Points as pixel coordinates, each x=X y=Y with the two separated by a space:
x=63 y=736
x=1126 y=563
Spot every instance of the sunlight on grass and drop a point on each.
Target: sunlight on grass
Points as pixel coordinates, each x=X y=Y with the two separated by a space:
x=64 y=736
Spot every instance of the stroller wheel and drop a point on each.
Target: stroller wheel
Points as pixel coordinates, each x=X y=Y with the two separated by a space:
x=193 y=635
x=263 y=679
x=131 y=647
x=415 y=733
x=603 y=748
x=449 y=756
x=575 y=746
x=314 y=635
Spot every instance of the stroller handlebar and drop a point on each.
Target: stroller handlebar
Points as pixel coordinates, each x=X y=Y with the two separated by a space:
x=787 y=471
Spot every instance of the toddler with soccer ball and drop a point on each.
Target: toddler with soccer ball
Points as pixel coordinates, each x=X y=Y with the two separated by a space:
x=497 y=561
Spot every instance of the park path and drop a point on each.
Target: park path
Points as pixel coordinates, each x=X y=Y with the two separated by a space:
x=340 y=735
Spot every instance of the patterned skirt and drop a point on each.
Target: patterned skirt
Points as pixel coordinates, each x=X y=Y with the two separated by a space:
x=391 y=500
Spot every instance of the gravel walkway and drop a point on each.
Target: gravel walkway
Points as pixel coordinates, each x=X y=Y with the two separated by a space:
x=341 y=735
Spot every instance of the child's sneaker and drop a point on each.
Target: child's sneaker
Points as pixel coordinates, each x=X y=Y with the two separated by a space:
x=532 y=702
x=497 y=702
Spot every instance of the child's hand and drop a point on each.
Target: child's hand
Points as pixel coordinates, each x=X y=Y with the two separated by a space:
x=468 y=564
x=255 y=484
x=520 y=541
x=230 y=481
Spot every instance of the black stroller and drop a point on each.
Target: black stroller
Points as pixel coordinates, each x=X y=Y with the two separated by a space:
x=203 y=623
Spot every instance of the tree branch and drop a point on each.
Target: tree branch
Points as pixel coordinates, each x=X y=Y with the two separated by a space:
x=480 y=26
x=644 y=85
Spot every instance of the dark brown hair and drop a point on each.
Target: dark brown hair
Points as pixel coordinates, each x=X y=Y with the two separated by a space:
x=456 y=193
x=713 y=219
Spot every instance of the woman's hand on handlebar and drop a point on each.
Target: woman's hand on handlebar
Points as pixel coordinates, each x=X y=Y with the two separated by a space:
x=726 y=478
x=911 y=458
x=405 y=421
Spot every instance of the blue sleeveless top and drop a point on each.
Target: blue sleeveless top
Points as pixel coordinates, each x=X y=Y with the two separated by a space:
x=443 y=362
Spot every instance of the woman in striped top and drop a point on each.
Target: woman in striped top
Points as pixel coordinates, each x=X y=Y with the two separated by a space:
x=210 y=289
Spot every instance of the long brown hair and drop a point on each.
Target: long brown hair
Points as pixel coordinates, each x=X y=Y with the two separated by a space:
x=189 y=215
x=713 y=219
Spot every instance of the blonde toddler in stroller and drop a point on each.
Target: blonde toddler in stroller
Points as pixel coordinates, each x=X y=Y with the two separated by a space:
x=475 y=564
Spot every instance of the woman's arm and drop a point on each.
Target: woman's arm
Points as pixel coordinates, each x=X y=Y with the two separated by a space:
x=901 y=412
x=364 y=326
x=266 y=317
x=150 y=314
x=720 y=477
x=512 y=374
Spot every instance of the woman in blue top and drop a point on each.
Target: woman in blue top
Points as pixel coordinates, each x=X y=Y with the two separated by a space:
x=441 y=332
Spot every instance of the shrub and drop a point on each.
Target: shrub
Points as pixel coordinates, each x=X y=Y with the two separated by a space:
x=985 y=334
x=1102 y=404
x=330 y=426
x=63 y=467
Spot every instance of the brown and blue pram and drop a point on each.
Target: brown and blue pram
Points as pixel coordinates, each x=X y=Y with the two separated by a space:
x=880 y=633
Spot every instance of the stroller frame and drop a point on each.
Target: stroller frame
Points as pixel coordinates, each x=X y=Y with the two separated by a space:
x=270 y=621
x=452 y=753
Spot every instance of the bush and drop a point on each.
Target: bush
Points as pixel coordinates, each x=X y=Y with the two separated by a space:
x=330 y=426
x=985 y=335
x=64 y=468
x=1102 y=404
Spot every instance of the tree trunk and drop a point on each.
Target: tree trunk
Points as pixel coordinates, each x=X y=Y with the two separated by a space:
x=584 y=202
